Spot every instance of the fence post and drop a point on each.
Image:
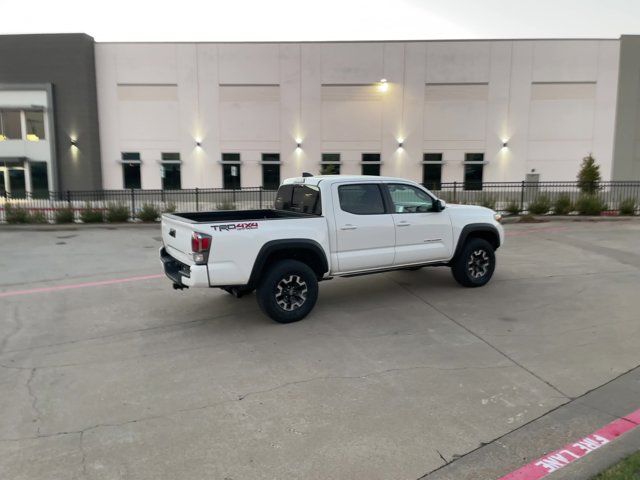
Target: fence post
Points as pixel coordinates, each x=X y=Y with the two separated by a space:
x=260 y=190
x=133 y=204
x=522 y=196
x=52 y=209
x=68 y=198
x=455 y=188
x=234 y=195
x=197 y=201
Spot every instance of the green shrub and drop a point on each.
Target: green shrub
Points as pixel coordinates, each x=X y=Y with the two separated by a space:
x=38 y=217
x=562 y=205
x=170 y=207
x=628 y=206
x=590 y=205
x=65 y=215
x=589 y=175
x=117 y=212
x=540 y=206
x=90 y=214
x=528 y=218
x=512 y=208
x=226 y=205
x=488 y=201
x=148 y=213
x=16 y=214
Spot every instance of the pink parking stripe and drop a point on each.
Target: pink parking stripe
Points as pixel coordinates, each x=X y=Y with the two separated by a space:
x=99 y=283
x=572 y=452
x=529 y=231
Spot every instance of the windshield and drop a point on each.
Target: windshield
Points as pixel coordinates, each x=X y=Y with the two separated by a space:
x=299 y=198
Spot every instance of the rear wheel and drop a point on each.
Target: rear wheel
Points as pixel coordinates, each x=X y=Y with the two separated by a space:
x=475 y=264
x=288 y=291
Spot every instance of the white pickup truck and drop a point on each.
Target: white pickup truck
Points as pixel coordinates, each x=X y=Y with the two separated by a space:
x=323 y=227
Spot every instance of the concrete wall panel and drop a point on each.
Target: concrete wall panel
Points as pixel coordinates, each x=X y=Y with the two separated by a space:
x=482 y=93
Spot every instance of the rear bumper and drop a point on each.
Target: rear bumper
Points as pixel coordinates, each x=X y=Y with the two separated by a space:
x=182 y=274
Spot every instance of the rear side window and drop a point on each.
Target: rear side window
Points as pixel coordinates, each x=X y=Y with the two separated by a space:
x=361 y=199
x=299 y=198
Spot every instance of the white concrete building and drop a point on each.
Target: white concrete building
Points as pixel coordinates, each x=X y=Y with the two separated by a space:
x=214 y=114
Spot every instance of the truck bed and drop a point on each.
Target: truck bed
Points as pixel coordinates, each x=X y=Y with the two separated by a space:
x=237 y=215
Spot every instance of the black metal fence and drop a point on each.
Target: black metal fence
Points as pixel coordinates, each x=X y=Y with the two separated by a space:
x=195 y=199
x=517 y=196
x=500 y=196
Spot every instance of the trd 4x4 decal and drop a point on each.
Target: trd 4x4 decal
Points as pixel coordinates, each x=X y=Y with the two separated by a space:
x=236 y=226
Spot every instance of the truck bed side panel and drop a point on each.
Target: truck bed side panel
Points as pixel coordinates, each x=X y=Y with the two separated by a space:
x=236 y=243
x=234 y=251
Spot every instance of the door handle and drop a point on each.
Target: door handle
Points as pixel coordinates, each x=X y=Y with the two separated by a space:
x=403 y=224
x=348 y=227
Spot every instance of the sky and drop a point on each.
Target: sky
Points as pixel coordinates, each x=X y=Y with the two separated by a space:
x=312 y=20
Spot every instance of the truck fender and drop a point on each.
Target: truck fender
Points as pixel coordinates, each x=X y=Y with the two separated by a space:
x=482 y=230
x=304 y=249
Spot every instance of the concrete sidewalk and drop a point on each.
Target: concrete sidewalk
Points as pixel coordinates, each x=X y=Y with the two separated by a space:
x=565 y=424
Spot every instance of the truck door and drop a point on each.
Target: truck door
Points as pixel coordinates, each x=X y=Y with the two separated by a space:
x=365 y=231
x=422 y=235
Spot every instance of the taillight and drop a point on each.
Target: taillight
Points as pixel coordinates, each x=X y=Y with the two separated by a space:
x=200 y=246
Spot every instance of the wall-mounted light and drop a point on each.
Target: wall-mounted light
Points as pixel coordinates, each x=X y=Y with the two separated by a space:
x=298 y=143
x=400 y=142
x=74 y=142
x=505 y=144
x=383 y=85
x=198 y=143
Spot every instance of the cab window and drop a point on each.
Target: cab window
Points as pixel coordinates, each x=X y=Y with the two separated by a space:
x=409 y=199
x=361 y=199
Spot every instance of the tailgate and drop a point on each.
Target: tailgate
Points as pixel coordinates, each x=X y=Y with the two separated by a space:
x=176 y=236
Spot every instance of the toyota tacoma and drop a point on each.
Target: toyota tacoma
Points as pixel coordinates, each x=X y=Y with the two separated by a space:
x=322 y=227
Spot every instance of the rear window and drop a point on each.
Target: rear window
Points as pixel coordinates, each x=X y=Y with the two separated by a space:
x=299 y=198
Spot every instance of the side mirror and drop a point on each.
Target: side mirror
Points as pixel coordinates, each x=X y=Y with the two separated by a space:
x=439 y=205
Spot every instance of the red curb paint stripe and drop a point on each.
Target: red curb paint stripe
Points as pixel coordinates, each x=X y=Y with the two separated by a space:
x=633 y=417
x=78 y=285
x=572 y=452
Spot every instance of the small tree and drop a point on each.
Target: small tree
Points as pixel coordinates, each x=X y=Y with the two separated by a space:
x=589 y=175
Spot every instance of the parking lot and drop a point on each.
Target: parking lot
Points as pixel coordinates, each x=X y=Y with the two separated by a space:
x=108 y=373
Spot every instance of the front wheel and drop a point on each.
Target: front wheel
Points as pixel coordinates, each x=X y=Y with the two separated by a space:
x=288 y=291
x=475 y=264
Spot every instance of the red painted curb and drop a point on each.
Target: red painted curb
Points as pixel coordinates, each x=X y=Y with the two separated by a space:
x=572 y=452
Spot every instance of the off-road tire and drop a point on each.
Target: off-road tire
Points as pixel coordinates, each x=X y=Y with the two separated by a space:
x=288 y=291
x=475 y=263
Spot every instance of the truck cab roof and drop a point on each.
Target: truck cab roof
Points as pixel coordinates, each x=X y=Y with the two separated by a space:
x=316 y=179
